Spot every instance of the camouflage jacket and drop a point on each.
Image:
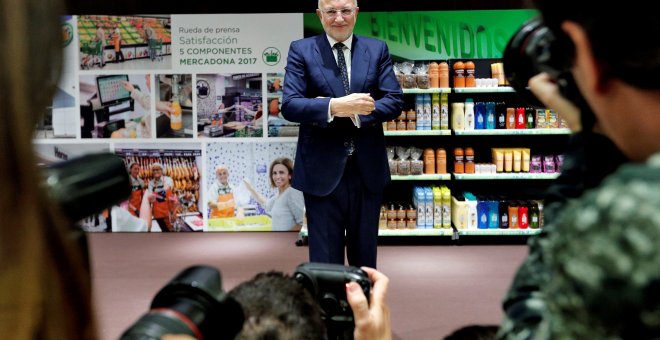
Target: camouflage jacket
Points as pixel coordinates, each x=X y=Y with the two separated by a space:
x=592 y=248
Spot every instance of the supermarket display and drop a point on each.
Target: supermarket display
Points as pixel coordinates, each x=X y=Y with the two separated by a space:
x=134 y=43
x=510 y=170
x=450 y=103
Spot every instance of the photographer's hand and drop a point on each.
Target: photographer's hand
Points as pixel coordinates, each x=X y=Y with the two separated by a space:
x=547 y=91
x=372 y=319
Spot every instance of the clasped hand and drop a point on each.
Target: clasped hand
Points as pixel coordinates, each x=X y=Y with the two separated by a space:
x=352 y=104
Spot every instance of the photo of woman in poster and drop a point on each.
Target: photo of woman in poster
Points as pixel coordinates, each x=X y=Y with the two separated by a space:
x=287 y=207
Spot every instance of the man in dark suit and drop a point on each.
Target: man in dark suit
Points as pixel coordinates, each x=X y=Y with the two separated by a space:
x=341 y=95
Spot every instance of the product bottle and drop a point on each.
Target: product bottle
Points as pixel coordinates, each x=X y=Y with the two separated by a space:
x=444 y=111
x=510 y=118
x=500 y=110
x=459 y=161
x=523 y=216
x=469 y=160
x=433 y=74
x=534 y=220
x=435 y=111
x=176 y=122
x=391 y=125
x=429 y=161
x=419 y=110
x=529 y=116
x=469 y=114
x=490 y=115
x=443 y=75
x=521 y=121
x=459 y=74
x=470 y=80
x=480 y=115
x=513 y=215
x=427 y=111
x=458 y=116
x=440 y=161
x=504 y=214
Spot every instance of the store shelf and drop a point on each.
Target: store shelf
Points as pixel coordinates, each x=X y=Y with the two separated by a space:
x=425 y=177
x=417 y=133
x=500 y=132
x=497 y=176
x=433 y=90
x=448 y=232
x=501 y=89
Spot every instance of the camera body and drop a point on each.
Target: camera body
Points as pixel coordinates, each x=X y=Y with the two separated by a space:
x=327 y=284
x=537 y=48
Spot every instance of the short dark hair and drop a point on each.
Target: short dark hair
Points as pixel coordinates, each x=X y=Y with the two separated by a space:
x=623 y=38
x=474 y=332
x=276 y=307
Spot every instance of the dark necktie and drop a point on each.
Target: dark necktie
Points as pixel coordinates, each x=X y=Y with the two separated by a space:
x=341 y=62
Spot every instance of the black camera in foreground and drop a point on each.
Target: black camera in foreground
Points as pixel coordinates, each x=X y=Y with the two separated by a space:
x=194 y=303
x=327 y=284
x=86 y=185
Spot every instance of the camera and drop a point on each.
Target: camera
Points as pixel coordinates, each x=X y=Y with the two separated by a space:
x=327 y=284
x=192 y=303
x=537 y=48
x=86 y=185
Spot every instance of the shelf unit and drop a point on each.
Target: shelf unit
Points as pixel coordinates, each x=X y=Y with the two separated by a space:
x=512 y=186
x=445 y=232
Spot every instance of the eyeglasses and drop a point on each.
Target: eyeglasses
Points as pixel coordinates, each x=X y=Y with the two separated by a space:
x=333 y=13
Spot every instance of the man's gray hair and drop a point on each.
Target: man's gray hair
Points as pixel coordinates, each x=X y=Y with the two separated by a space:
x=319 y=4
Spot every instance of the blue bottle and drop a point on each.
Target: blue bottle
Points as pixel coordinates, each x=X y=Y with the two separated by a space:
x=490 y=115
x=480 y=115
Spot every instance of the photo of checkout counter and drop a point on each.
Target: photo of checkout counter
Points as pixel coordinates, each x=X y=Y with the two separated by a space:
x=107 y=109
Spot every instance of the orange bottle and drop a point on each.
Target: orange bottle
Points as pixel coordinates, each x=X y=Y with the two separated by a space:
x=429 y=161
x=470 y=80
x=469 y=160
x=176 y=121
x=459 y=163
x=443 y=74
x=433 y=74
x=459 y=74
x=440 y=161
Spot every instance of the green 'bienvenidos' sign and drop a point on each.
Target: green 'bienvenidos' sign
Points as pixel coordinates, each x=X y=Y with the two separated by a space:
x=437 y=35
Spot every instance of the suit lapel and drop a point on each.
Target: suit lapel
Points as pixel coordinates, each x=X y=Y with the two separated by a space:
x=359 y=66
x=328 y=66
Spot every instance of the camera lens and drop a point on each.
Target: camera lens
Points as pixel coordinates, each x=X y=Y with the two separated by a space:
x=194 y=304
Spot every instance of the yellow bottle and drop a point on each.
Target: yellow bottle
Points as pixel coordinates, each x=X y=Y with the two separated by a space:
x=176 y=123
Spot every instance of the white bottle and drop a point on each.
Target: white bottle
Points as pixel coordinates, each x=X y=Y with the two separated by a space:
x=469 y=114
x=458 y=116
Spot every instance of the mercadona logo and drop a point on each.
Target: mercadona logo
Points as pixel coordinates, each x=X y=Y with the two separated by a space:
x=271 y=56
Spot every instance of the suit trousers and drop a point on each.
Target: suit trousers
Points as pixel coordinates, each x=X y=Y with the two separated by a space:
x=348 y=217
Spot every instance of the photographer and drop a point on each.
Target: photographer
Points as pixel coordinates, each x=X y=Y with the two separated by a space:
x=587 y=276
x=44 y=282
x=274 y=303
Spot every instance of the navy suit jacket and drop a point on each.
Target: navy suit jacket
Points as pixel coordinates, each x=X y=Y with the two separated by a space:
x=312 y=77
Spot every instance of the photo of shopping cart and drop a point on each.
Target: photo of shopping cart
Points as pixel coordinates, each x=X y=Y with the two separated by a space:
x=155 y=49
x=90 y=55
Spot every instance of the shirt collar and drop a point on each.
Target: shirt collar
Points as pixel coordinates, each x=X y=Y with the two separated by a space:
x=348 y=42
